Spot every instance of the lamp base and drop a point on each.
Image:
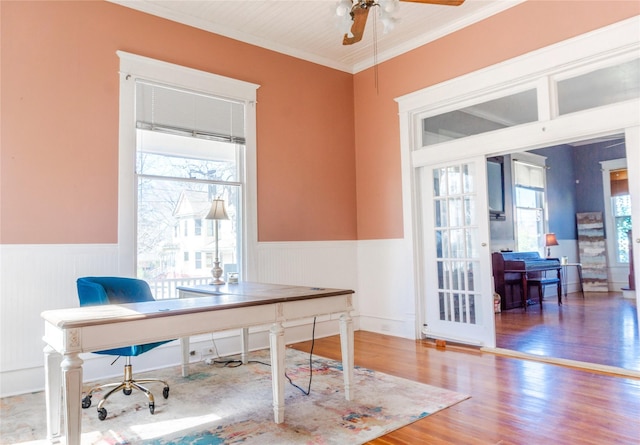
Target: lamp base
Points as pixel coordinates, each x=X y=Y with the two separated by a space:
x=217 y=273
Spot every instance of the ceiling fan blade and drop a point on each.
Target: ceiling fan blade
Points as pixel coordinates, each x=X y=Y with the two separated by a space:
x=357 y=29
x=437 y=2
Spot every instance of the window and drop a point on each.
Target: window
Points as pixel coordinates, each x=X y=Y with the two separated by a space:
x=600 y=87
x=529 y=198
x=617 y=216
x=621 y=213
x=189 y=151
x=186 y=137
x=504 y=112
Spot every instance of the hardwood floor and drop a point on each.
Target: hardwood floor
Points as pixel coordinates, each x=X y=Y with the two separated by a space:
x=602 y=328
x=513 y=401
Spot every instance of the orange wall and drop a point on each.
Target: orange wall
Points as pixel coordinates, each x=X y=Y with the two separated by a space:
x=59 y=126
x=59 y=122
x=521 y=29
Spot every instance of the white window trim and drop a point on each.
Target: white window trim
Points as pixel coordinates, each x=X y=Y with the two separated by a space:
x=133 y=66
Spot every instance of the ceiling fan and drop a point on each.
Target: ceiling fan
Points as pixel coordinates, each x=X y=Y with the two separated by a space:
x=357 y=11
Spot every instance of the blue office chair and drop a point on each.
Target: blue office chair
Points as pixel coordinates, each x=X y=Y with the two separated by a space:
x=115 y=290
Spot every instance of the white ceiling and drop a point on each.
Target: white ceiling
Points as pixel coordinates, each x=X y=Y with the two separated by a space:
x=307 y=29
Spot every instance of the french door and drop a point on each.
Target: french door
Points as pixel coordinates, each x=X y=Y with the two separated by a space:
x=456 y=275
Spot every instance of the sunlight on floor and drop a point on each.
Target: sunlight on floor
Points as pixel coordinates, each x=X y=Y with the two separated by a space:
x=145 y=431
x=159 y=429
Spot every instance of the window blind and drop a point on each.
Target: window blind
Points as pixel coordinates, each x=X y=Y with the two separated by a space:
x=527 y=175
x=619 y=182
x=188 y=113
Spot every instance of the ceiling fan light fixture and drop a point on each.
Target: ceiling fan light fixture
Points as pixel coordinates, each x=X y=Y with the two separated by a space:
x=353 y=14
x=343 y=8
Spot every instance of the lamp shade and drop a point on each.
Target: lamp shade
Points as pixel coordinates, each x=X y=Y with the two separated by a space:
x=550 y=240
x=217 y=211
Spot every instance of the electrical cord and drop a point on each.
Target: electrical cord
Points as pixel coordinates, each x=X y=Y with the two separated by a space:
x=233 y=363
x=313 y=341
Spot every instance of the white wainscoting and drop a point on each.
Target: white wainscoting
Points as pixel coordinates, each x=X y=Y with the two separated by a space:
x=386 y=292
x=34 y=278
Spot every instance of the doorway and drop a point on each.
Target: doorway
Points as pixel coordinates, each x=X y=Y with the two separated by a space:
x=602 y=327
x=435 y=130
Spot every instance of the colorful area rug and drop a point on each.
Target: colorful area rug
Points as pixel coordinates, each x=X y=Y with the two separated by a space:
x=233 y=405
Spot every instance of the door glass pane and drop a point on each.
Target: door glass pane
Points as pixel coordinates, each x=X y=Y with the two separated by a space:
x=438 y=178
x=472 y=242
x=442 y=244
x=454 y=180
x=457 y=243
x=471 y=273
x=441 y=213
x=491 y=115
x=456 y=212
x=469 y=211
x=605 y=86
x=468 y=178
x=456 y=238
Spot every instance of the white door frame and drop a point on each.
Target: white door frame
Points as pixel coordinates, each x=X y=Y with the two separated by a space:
x=602 y=47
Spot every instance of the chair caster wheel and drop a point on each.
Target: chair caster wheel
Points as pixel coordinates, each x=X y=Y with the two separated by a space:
x=127 y=392
x=152 y=408
x=102 y=413
x=165 y=392
x=86 y=402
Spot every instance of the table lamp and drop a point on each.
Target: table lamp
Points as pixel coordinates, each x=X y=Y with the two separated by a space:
x=216 y=213
x=550 y=240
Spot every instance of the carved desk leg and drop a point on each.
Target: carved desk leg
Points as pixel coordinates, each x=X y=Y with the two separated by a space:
x=184 y=347
x=53 y=388
x=276 y=343
x=72 y=379
x=244 y=337
x=346 y=344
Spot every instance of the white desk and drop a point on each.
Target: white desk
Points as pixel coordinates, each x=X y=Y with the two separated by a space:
x=69 y=332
